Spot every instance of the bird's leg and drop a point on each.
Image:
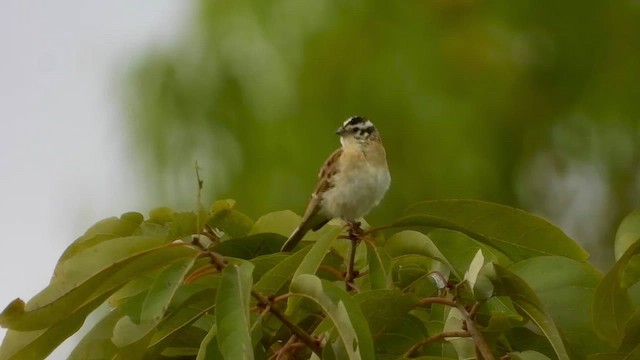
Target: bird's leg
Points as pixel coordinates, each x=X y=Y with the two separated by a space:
x=354 y=229
x=354 y=232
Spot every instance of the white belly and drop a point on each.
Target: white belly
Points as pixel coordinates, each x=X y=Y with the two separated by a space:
x=355 y=192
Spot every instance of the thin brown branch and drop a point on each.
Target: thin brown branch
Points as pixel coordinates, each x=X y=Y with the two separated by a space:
x=431 y=339
x=437 y=300
x=350 y=276
x=312 y=343
x=332 y=270
x=481 y=343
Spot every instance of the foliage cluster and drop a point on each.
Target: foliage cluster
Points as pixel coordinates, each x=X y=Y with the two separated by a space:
x=451 y=279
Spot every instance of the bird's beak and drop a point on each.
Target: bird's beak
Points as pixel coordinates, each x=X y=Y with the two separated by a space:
x=341 y=130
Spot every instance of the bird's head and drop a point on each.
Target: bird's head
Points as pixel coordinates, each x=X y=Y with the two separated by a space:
x=357 y=129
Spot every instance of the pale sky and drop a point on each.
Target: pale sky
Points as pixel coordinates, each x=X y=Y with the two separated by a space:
x=63 y=150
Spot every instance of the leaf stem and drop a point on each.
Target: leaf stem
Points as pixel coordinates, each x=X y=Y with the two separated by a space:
x=431 y=339
x=312 y=343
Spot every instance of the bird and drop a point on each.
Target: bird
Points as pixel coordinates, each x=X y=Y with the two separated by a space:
x=353 y=180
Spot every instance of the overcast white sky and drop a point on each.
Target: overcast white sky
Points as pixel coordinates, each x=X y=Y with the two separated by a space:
x=63 y=159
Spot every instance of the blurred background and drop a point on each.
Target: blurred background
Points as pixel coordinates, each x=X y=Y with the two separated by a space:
x=106 y=107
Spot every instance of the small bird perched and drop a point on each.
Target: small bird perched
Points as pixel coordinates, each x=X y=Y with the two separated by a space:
x=353 y=180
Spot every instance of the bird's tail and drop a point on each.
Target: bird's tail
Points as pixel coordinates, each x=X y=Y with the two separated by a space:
x=294 y=239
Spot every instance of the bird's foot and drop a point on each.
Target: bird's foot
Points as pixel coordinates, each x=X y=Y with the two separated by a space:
x=354 y=230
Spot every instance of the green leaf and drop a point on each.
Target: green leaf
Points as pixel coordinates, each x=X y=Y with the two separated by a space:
x=516 y=233
x=103 y=230
x=501 y=313
x=155 y=304
x=527 y=355
x=309 y=265
x=96 y=344
x=379 y=267
x=209 y=349
x=612 y=306
x=343 y=311
x=628 y=233
x=385 y=308
x=275 y=279
x=45 y=310
x=188 y=313
x=278 y=222
x=567 y=294
x=460 y=250
x=249 y=247
x=37 y=344
x=225 y=218
x=232 y=312
x=413 y=242
x=525 y=299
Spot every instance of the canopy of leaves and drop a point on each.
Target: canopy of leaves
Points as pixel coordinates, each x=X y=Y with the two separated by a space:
x=468 y=277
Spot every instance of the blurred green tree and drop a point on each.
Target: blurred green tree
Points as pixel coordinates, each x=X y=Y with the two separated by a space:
x=529 y=103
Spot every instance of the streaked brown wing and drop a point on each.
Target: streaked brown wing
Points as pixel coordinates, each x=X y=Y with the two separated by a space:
x=327 y=171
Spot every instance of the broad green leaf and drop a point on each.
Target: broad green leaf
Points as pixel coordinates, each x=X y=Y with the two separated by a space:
x=37 y=344
x=161 y=293
x=501 y=313
x=464 y=346
x=275 y=279
x=628 y=233
x=232 y=312
x=631 y=333
x=516 y=233
x=525 y=299
x=40 y=314
x=528 y=355
x=250 y=246
x=460 y=250
x=567 y=294
x=401 y=336
x=309 y=265
x=189 y=312
x=279 y=222
x=209 y=349
x=265 y=263
x=379 y=267
x=474 y=269
x=343 y=311
x=612 y=306
x=155 y=304
x=384 y=308
x=103 y=230
x=413 y=242
x=85 y=264
x=96 y=344
x=224 y=217
x=415 y=273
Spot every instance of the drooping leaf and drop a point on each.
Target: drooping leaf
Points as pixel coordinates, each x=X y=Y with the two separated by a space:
x=47 y=310
x=96 y=344
x=628 y=233
x=209 y=349
x=104 y=230
x=232 y=311
x=516 y=233
x=566 y=289
x=525 y=299
x=275 y=279
x=379 y=267
x=343 y=311
x=612 y=306
x=309 y=265
x=249 y=247
x=155 y=304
